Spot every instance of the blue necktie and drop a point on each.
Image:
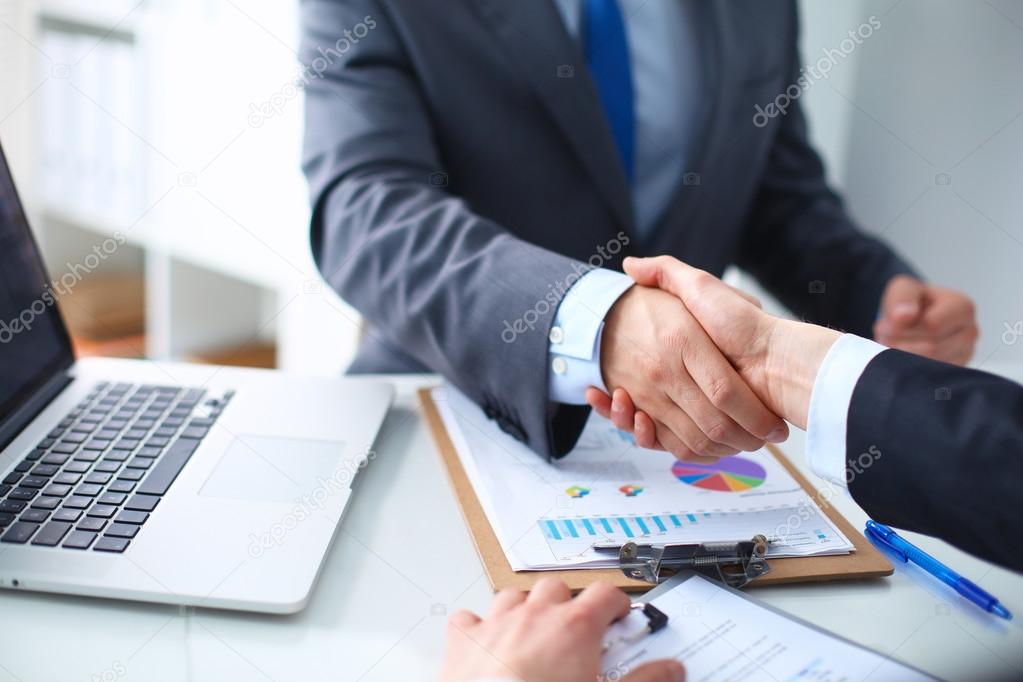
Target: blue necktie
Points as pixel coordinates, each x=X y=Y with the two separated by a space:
x=607 y=55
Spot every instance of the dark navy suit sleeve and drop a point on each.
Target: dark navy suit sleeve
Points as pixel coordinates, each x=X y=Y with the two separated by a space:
x=948 y=443
x=799 y=241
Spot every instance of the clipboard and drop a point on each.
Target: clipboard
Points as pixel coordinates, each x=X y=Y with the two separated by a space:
x=865 y=562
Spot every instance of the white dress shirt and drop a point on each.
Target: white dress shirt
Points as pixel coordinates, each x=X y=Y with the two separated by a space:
x=828 y=417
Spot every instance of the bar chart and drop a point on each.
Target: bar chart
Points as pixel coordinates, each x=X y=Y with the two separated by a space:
x=792 y=531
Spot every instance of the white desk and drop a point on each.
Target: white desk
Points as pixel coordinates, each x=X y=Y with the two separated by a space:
x=403 y=560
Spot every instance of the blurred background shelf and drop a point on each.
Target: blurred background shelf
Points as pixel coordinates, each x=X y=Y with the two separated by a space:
x=128 y=127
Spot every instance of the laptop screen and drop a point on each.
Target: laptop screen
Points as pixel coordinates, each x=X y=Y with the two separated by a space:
x=34 y=344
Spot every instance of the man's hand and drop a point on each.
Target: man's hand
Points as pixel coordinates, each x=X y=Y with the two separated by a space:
x=927 y=320
x=778 y=359
x=546 y=636
x=698 y=405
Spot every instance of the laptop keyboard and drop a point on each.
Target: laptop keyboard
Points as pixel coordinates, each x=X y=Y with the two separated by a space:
x=94 y=481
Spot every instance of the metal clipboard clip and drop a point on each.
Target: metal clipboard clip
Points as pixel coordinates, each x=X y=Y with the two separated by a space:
x=733 y=563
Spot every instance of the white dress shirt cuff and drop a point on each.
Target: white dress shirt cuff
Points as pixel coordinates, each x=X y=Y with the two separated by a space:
x=829 y=405
x=574 y=350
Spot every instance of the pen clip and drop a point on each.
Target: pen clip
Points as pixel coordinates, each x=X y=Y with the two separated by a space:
x=878 y=539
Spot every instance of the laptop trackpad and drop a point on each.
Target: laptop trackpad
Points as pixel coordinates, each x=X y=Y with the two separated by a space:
x=272 y=469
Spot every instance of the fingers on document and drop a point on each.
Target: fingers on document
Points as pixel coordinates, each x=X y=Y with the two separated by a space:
x=601 y=604
x=549 y=591
x=460 y=620
x=506 y=600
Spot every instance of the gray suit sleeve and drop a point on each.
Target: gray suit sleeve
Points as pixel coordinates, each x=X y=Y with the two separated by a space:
x=427 y=273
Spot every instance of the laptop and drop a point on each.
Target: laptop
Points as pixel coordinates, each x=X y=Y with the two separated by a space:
x=164 y=482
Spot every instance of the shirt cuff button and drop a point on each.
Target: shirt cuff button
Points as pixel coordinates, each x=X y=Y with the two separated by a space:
x=557 y=335
x=559 y=365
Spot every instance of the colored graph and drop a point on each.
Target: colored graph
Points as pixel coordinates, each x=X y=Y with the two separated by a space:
x=577 y=491
x=729 y=474
x=630 y=490
x=617 y=528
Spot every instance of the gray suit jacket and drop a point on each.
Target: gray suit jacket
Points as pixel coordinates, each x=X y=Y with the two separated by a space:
x=461 y=169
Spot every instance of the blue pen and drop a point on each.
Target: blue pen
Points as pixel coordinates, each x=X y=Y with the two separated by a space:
x=907 y=552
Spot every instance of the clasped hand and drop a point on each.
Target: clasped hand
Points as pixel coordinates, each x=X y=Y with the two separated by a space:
x=695 y=367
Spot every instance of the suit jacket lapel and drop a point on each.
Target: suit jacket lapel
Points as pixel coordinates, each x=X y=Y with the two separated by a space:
x=533 y=34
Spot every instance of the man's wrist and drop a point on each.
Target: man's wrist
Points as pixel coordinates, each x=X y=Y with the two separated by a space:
x=794 y=355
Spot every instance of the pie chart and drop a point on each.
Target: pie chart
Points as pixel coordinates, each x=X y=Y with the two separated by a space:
x=729 y=474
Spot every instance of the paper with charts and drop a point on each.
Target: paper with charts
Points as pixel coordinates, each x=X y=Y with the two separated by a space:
x=608 y=491
x=722 y=636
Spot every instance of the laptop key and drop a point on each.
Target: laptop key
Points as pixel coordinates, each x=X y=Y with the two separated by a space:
x=68 y=479
x=96 y=477
x=32 y=481
x=97 y=444
x=122 y=530
x=11 y=506
x=19 y=532
x=6 y=520
x=45 y=470
x=64 y=514
x=77 y=502
x=4 y=489
x=79 y=539
x=140 y=463
x=58 y=457
x=87 y=456
x=73 y=437
x=120 y=486
x=108 y=544
x=57 y=490
x=115 y=499
x=146 y=503
x=117 y=455
x=108 y=466
x=24 y=466
x=92 y=524
x=167 y=469
x=34 y=515
x=51 y=534
x=13 y=478
x=89 y=490
x=134 y=517
x=22 y=494
x=131 y=474
x=77 y=467
x=102 y=511
x=43 y=502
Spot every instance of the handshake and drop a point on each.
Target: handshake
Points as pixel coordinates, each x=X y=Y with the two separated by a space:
x=696 y=367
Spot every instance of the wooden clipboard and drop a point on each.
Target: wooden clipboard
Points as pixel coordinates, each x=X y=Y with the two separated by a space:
x=865 y=562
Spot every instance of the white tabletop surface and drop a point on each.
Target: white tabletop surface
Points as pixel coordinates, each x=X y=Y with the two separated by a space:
x=403 y=560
